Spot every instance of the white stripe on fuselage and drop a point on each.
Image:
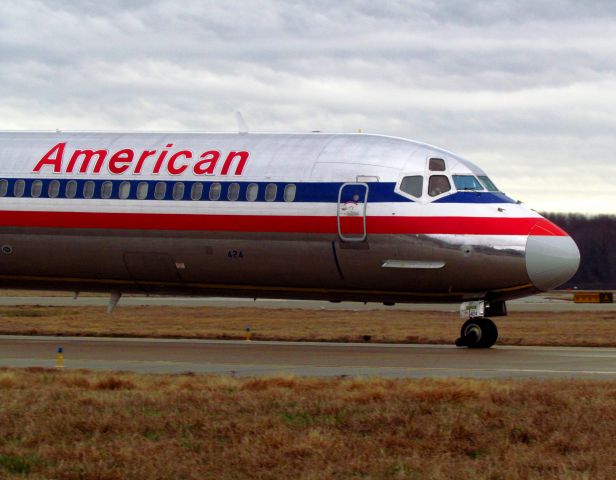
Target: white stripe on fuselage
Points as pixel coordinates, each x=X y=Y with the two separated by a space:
x=206 y=207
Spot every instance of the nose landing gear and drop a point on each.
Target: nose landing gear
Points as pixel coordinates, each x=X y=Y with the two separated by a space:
x=479 y=331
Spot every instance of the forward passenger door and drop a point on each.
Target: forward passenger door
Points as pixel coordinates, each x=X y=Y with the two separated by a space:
x=352 y=209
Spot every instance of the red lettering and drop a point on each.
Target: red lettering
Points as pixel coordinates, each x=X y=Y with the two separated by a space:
x=120 y=161
x=144 y=155
x=172 y=169
x=87 y=156
x=243 y=156
x=50 y=160
x=161 y=158
x=210 y=159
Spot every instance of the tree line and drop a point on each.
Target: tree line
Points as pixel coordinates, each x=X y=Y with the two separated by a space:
x=595 y=236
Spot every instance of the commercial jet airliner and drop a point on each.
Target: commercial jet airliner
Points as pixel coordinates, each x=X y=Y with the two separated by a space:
x=339 y=217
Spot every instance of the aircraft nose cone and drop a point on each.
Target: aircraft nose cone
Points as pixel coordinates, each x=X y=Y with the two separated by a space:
x=550 y=260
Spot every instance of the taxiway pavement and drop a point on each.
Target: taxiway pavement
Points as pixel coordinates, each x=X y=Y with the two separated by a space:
x=245 y=358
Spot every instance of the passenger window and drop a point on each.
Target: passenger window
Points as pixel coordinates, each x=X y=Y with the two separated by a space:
x=160 y=189
x=233 y=193
x=215 y=189
x=178 y=191
x=36 y=189
x=437 y=165
x=438 y=184
x=488 y=184
x=142 y=190
x=4 y=187
x=466 y=182
x=413 y=185
x=289 y=192
x=70 y=190
x=106 y=190
x=270 y=192
x=88 y=189
x=124 y=191
x=18 y=188
x=196 y=192
x=54 y=189
x=251 y=192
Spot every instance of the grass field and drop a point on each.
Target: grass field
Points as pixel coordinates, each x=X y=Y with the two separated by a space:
x=591 y=328
x=83 y=425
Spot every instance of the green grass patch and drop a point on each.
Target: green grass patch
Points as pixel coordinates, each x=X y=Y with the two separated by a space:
x=19 y=464
x=298 y=419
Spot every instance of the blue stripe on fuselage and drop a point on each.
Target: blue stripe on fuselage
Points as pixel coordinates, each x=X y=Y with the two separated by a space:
x=324 y=192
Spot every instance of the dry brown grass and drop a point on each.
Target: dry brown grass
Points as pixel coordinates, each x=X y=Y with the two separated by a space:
x=591 y=328
x=83 y=425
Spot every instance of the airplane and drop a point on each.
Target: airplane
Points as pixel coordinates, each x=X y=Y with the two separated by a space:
x=337 y=217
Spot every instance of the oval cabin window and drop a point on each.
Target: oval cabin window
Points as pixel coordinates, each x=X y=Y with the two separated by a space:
x=124 y=191
x=289 y=192
x=88 y=189
x=54 y=189
x=70 y=190
x=251 y=192
x=19 y=188
x=178 y=191
x=215 y=191
x=233 y=193
x=270 y=192
x=160 y=189
x=196 y=192
x=36 y=189
x=106 y=190
x=142 y=190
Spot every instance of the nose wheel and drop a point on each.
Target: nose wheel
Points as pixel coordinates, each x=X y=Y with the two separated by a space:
x=478 y=332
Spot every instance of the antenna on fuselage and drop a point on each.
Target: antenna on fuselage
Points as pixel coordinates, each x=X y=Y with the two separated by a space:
x=241 y=124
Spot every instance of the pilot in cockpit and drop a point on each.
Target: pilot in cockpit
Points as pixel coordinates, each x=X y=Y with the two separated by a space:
x=438 y=184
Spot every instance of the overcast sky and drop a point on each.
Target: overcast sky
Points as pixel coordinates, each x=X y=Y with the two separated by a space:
x=527 y=90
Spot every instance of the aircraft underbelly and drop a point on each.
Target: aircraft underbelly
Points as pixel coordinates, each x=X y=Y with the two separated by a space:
x=296 y=265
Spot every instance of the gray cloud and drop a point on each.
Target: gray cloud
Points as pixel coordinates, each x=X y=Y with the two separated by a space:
x=526 y=89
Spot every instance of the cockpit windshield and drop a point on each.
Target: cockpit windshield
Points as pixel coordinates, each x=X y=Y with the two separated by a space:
x=488 y=184
x=438 y=184
x=467 y=182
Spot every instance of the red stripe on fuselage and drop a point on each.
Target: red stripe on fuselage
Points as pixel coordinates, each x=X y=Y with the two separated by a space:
x=463 y=226
x=279 y=224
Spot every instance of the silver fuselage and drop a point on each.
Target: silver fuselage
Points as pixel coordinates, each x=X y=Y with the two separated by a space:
x=317 y=216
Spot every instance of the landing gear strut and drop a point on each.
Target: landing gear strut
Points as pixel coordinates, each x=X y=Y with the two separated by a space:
x=479 y=331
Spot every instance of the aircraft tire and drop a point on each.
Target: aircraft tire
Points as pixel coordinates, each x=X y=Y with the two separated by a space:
x=478 y=333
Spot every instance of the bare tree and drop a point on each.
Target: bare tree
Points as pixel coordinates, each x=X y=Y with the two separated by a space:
x=595 y=236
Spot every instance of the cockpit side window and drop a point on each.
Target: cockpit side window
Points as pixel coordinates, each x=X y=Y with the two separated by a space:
x=466 y=182
x=413 y=185
x=436 y=165
x=488 y=183
x=438 y=184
